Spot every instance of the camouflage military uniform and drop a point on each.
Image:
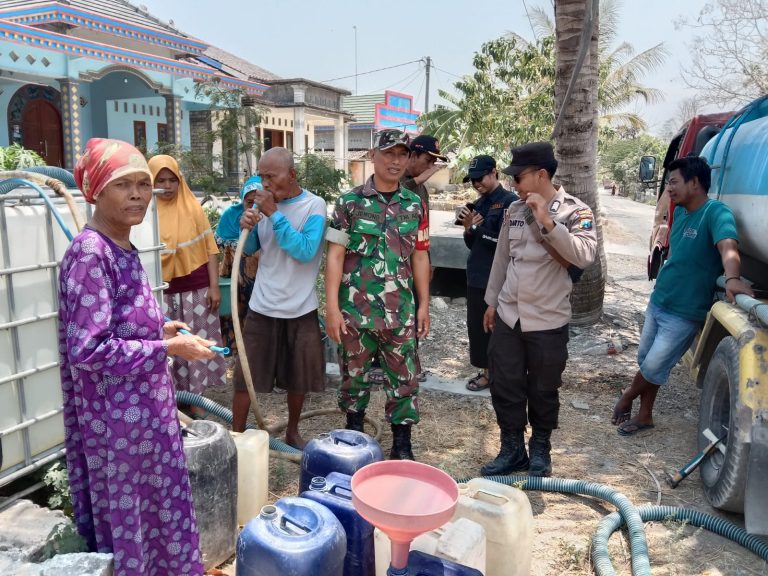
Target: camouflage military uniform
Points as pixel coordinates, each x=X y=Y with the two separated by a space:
x=376 y=296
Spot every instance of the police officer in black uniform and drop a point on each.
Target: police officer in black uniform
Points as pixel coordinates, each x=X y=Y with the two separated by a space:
x=482 y=221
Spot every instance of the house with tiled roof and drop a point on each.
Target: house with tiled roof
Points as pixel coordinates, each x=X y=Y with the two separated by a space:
x=75 y=69
x=370 y=113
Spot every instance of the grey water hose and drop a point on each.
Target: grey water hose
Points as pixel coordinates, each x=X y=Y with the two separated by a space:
x=641 y=565
x=16 y=178
x=751 y=306
x=277 y=447
x=634 y=518
x=61 y=174
x=611 y=523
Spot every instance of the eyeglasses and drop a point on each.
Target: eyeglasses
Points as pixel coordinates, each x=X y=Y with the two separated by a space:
x=389 y=138
x=519 y=177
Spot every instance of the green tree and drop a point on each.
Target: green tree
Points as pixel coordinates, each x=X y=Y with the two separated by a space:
x=235 y=118
x=620 y=159
x=621 y=68
x=16 y=157
x=319 y=176
x=512 y=81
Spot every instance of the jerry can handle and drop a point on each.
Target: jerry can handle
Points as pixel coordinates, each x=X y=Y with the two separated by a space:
x=285 y=521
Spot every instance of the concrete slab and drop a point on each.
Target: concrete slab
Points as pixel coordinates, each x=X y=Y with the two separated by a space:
x=446 y=240
x=433 y=382
x=25 y=528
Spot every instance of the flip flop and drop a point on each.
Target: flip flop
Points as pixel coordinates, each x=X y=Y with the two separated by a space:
x=630 y=428
x=620 y=417
x=473 y=385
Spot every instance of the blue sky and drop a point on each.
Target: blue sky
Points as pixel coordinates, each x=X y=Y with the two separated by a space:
x=315 y=39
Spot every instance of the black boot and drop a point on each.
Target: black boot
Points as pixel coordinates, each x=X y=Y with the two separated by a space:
x=512 y=456
x=401 y=442
x=355 y=421
x=539 y=446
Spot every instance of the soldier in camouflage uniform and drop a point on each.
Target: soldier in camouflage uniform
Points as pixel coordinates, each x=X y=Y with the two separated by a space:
x=378 y=250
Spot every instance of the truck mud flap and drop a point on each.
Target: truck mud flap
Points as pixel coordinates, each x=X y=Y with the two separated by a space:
x=756 y=498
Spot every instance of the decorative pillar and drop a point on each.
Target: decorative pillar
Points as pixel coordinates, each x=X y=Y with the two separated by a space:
x=339 y=144
x=70 y=116
x=173 y=118
x=298 y=131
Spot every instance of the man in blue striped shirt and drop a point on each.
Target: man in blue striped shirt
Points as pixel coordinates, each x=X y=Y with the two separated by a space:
x=282 y=332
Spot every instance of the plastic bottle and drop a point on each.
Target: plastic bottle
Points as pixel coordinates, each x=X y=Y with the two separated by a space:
x=505 y=513
x=252 y=473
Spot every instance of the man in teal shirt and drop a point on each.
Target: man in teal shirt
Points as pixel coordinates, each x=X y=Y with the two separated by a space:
x=703 y=243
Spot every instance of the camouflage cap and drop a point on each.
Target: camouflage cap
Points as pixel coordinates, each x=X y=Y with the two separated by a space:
x=386 y=139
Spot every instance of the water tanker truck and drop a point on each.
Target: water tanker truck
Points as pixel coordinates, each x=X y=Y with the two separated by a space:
x=729 y=358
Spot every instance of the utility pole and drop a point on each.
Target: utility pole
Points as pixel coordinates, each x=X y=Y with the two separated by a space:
x=426 y=96
x=355 y=27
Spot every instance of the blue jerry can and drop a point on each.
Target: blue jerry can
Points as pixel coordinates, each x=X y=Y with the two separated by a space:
x=293 y=537
x=335 y=493
x=344 y=451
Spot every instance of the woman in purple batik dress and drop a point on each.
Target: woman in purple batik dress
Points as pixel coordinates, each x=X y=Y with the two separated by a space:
x=125 y=459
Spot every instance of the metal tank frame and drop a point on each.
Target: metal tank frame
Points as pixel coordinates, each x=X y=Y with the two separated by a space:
x=17 y=378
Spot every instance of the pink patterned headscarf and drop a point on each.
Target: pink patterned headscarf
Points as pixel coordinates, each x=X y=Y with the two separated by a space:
x=105 y=160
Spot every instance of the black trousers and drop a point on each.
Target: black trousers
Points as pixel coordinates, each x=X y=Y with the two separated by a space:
x=526 y=371
x=478 y=338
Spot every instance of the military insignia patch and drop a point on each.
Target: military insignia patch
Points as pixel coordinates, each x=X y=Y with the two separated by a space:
x=585 y=224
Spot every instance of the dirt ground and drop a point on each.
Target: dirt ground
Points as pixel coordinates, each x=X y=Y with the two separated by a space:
x=458 y=433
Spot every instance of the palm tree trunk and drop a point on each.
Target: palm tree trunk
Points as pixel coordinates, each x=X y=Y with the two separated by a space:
x=576 y=142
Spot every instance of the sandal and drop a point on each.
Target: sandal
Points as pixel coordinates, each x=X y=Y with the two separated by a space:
x=478 y=383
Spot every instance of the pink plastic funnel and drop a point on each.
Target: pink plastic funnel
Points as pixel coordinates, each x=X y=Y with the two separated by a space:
x=403 y=499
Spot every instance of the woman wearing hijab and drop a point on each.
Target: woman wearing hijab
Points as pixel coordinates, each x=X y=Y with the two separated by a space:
x=191 y=268
x=227 y=235
x=125 y=460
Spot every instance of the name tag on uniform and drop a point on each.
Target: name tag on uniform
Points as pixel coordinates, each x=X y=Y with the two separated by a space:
x=516 y=228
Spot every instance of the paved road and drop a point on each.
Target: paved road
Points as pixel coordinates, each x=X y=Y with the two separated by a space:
x=626 y=224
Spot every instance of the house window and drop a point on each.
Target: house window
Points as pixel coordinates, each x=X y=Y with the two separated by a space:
x=140 y=135
x=134 y=109
x=117 y=104
x=143 y=110
x=289 y=141
x=162 y=133
x=125 y=107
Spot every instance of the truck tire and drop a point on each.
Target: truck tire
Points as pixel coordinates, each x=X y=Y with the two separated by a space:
x=724 y=475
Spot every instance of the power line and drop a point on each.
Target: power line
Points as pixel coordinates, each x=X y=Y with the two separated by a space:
x=409 y=78
x=527 y=15
x=446 y=72
x=372 y=71
x=416 y=99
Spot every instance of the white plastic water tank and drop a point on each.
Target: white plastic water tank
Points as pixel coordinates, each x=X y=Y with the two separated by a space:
x=461 y=541
x=31 y=246
x=505 y=513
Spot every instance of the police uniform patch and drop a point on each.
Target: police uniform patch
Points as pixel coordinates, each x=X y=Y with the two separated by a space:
x=555 y=206
x=585 y=224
